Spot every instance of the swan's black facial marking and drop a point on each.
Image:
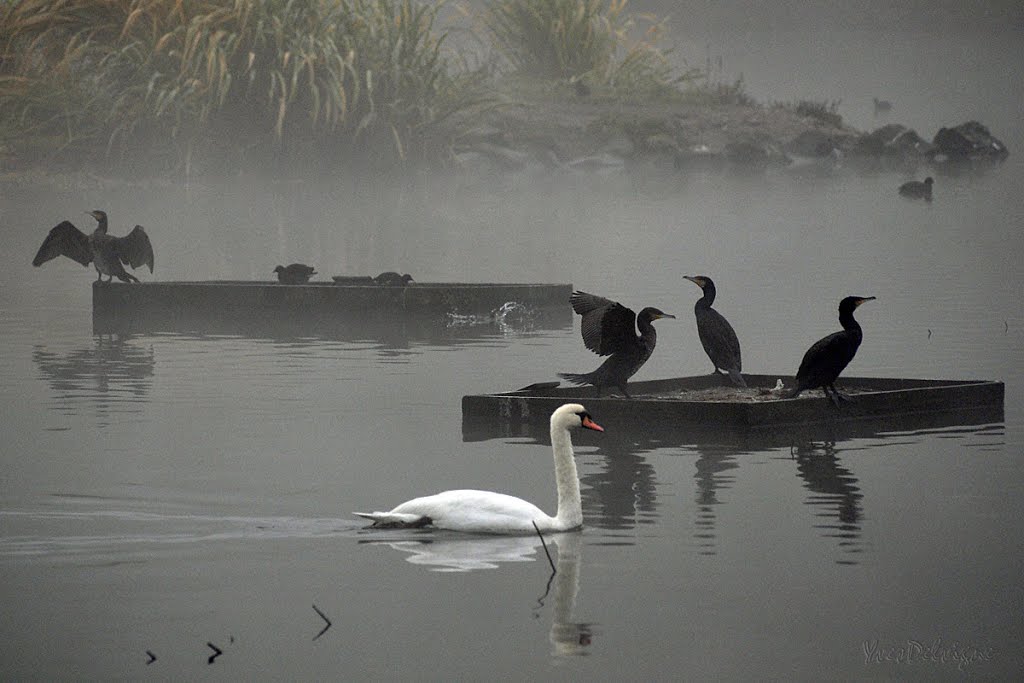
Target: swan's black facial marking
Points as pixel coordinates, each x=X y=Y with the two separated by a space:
x=588 y=422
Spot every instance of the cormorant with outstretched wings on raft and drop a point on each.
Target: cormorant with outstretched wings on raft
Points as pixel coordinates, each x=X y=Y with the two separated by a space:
x=106 y=252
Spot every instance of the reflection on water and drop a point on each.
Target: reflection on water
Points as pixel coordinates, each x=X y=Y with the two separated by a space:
x=52 y=533
x=834 y=495
x=622 y=494
x=113 y=373
x=387 y=331
x=459 y=553
x=568 y=637
x=463 y=554
x=713 y=463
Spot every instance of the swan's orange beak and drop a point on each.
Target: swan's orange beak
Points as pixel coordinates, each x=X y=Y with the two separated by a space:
x=590 y=424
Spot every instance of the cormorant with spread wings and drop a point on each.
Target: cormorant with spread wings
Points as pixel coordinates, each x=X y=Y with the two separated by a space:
x=104 y=251
x=609 y=329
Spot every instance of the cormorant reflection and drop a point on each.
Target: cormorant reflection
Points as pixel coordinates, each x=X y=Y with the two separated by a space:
x=834 y=494
x=107 y=372
x=623 y=492
x=712 y=464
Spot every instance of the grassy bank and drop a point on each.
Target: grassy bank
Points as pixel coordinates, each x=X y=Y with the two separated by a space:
x=163 y=87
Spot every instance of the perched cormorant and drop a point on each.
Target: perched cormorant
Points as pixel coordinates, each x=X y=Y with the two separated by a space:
x=393 y=279
x=104 y=251
x=716 y=334
x=829 y=356
x=915 y=189
x=294 y=274
x=608 y=330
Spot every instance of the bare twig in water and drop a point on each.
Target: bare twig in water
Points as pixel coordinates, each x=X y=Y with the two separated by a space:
x=152 y=657
x=217 y=652
x=324 y=617
x=545 y=546
x=547 y=589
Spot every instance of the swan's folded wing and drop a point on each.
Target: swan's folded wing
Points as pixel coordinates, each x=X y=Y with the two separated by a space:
x=64 y=240
x=135 y=248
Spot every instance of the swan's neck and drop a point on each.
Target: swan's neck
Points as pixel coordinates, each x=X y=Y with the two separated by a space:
x=570 y=507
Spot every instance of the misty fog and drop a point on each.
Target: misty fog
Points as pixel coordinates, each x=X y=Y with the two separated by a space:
x=194 y=483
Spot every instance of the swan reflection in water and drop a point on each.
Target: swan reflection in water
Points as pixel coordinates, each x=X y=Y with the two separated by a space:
x=461 y=554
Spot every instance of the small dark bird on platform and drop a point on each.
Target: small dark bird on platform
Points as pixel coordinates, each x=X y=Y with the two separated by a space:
x=716 y=334
x=882 y=106
x=829 y=356
x=104 y=251
x=915 y=189
x=393 y=279
x=294 y=274
x=609 y=329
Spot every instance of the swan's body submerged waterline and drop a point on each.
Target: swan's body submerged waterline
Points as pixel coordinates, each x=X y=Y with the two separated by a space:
x=499 y=513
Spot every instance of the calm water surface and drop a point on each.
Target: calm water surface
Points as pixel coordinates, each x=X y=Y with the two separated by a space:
x=161 y=491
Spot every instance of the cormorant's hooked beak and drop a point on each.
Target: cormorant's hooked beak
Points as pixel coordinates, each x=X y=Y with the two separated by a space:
x=863 y=299
x=590 y=424
x=697 y=280
x=665 y=315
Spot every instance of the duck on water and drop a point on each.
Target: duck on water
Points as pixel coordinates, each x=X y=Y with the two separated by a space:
x=916 y=189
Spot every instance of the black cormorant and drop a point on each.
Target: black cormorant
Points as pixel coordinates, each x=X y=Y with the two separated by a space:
x=716 y=334
x=829 y=356
x=294 y=274
x=915 y=189
x=393 y=279
x=104 y=251
x=609 y=329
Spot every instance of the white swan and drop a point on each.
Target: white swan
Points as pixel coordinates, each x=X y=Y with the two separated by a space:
x=498 y=513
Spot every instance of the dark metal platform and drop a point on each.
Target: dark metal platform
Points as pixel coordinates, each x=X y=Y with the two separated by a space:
x=168 y=306
x=708 y=405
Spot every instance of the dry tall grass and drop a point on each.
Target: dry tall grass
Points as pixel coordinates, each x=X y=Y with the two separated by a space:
x=279 y=79
x=590 y=40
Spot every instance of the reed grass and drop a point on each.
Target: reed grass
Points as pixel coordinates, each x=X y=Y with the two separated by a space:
x=824 y=111
x=279 y=79
x=588 y=40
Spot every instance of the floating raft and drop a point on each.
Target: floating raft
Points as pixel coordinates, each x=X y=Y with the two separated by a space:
x=176 y=305
x=709 y=403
